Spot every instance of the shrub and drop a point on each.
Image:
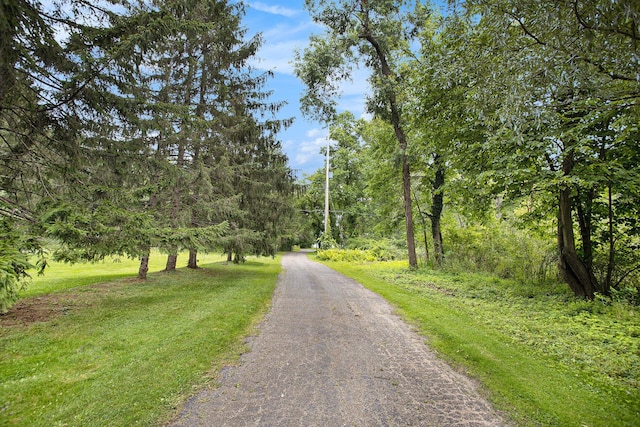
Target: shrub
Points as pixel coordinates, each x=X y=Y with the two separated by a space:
x=501 y=249
x=348 y=255
x=383 y=249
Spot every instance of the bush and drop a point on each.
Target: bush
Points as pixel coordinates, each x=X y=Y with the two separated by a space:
x=383 y=249
x=326 y=241
x=500 y=249
x=346 y=255
x=353 y=255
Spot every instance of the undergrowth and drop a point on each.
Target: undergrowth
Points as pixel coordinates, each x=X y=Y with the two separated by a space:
x=546 y=357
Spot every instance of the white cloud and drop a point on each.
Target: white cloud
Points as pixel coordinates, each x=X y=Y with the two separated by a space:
x=274 y=10
x=315 y=132
x=278 y=56
x=280 y=44
x=305 y=154
x=308 y=150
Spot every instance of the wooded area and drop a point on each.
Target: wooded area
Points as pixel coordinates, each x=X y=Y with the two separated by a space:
x=498 y=113
x=496 y=126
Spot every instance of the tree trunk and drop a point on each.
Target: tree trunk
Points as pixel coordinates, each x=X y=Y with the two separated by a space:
x=172 y=260
x=408 y=212
x=193 y=259
x=144 y=266
x=573 y=270
x=436 y=209
x=424 y=227
x=436 y=233
x=606 y=287
x=229 y=256
x=402 y=141
x=584 y=210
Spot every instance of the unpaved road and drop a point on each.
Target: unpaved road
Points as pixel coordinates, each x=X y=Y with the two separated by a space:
x=332 y=353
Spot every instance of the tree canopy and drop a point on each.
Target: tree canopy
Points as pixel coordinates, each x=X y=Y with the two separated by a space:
x=131 y=125
x=530 y=102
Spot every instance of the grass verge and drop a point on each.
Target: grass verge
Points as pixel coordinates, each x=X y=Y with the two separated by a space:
x=543 y=357
x=128 y=352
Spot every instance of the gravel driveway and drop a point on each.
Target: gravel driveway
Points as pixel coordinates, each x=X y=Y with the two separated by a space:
x=332 y=353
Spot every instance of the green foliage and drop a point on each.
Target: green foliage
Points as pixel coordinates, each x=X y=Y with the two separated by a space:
x=13 y=273
x=545 y=357
x=146 y=127
x=101 y=354
x=326 y=240
x=18 y=254
x=361 y=250
x=346 y=255
x=557 y=87
x=383 y=249
x=350 y=212
x=499 y=248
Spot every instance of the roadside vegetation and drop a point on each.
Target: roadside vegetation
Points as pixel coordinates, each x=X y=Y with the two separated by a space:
x=125 y=352
x=545 y=357
x=147 y=126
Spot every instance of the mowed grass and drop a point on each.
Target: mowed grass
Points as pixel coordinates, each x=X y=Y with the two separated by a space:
x=59 y=276
x=129 y=352
x=543 y=357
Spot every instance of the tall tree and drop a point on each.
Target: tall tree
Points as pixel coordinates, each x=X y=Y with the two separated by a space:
x=564 y=77
x=379 y=34
x=52 y=98
x=348 y=198
x=99 y=148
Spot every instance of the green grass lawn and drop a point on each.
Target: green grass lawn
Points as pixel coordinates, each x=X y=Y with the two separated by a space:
x=126 y=352
x=59 y=276
x=543 y=357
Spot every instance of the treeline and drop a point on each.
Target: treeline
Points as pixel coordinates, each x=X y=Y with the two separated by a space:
x=515 y=112
x=131 y=125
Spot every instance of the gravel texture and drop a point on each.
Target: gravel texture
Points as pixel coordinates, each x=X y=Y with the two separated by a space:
x=332 y=353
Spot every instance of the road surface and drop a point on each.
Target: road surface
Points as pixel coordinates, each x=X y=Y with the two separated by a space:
x=332 y=353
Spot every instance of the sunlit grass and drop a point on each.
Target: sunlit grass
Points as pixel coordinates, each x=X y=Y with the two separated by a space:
x=543 y=357
x=59 y=275
x=129 y=352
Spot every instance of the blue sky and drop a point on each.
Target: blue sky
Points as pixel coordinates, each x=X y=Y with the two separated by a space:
x=285 y=27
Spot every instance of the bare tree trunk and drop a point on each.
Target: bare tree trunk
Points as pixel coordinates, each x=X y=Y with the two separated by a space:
x=584 y=210
x=612 y=247
x=408 y=212
x=144 y=266
x=424 y=226
x=193 y=259
x=436 y=209
x=172 y=261
x=573 y=270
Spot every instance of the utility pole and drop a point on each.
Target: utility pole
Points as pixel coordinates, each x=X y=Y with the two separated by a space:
x=326 y=194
